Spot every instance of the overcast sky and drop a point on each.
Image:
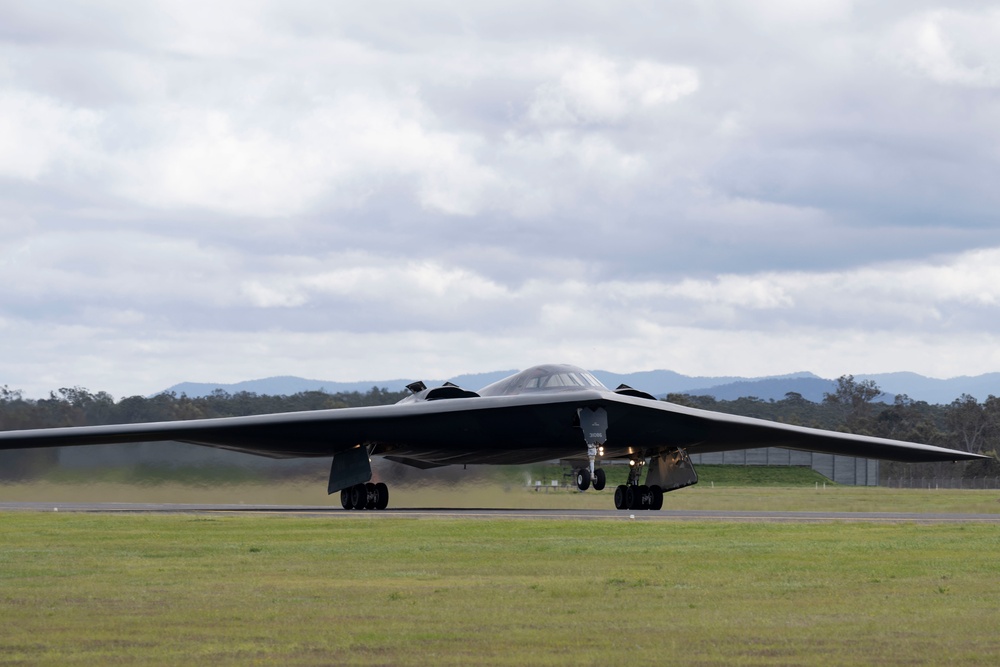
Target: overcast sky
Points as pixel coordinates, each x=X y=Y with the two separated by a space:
x=219 y=191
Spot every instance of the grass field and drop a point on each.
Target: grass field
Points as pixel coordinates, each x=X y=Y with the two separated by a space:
x=351 y=589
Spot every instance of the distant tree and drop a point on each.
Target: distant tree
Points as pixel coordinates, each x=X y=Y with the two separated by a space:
x=795 y=398
x=969 y=423
x=857 y=396
x=8 y=395
x=909 y=420
x=15 y=411
x=854 y=400
x=703 y=402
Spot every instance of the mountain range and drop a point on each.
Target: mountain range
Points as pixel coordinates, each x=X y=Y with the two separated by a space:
x=659 y=383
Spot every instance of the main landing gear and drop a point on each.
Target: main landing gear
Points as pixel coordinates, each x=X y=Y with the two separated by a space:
x=633 y=497
x=367 y=496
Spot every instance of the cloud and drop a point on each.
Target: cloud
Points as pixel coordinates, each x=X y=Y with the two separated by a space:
x=593 y=89
x=39 y=135
x=723 y=187
x=338 y=152
x=952 y=47
x=363 y=291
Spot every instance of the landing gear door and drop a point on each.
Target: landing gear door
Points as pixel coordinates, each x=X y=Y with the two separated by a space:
x=594 y=423
x=671 y=469
x=349 y=468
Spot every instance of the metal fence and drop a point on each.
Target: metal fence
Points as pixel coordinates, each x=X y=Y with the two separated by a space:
x=941 y=482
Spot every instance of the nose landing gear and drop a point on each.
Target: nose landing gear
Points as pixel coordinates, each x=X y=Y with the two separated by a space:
x=584 y=480
x=594 y=424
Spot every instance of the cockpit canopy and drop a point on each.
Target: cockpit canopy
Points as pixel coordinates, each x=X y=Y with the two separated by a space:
x=550 y=377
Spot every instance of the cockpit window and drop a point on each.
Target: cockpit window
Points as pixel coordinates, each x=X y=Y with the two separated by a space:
x=559 y=380
x=541 y=378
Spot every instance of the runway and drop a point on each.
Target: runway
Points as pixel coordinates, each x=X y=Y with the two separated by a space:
x=337 y=513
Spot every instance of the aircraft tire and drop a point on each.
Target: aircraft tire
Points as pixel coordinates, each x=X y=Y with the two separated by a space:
x=345 y=499
x=643 y=495
x=583 y=479
x=359 y=496
x=370 y=498
x=381 y=496
x=600 y=479
x=657 y=503
x=631 y=497
x=621 y=501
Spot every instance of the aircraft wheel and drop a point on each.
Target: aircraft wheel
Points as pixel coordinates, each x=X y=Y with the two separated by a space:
x=359 y=496
x=621 y=502
x=370 y=496
x=632 y=497
x=643 y=500
x=657 y=501
x=345 y=499
x=599 y=479
x=381 y=496
x=583 y=479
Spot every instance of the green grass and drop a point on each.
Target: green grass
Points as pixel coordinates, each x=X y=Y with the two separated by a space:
x=98 y=589
x=760 y=475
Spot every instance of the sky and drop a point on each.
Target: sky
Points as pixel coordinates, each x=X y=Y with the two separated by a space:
x=215 y=192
